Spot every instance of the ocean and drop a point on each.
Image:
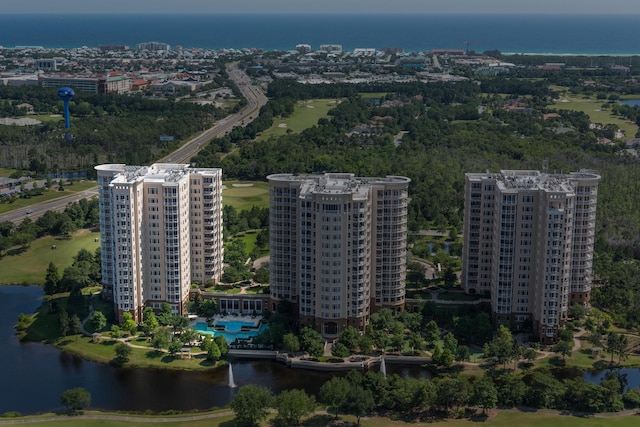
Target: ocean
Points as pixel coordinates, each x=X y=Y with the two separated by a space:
x=615 y=35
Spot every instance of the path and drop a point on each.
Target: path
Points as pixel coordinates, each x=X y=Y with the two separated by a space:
x=181 y=418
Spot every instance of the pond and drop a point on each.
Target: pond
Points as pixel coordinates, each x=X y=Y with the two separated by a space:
x=35 y=375
x=631 y=102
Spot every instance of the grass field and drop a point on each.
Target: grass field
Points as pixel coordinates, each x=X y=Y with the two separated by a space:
x=6 y=172
x=245 y=194
x=221 y=418
x=592 y=107
x=305 y=115
x=48 y=195
x=249 y=240
x=31 y=265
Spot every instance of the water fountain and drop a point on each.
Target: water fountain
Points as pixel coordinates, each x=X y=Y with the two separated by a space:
x=232 y=384
x=383 y=367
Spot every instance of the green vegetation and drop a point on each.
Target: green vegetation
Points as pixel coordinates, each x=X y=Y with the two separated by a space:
x=31 y=265
x=245 y=194
x=306 y=114
x=221 y=418
x=114 y=128
x=592 y=107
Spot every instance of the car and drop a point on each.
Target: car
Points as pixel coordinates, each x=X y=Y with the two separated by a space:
x=29 y=211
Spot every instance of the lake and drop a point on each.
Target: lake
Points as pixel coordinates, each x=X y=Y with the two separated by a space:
x=35 y=375
x=631 y=102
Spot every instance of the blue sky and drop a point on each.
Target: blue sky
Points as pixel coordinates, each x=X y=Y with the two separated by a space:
x=324 y=6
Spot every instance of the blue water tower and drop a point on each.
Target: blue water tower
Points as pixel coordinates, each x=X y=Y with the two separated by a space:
x=65 y=94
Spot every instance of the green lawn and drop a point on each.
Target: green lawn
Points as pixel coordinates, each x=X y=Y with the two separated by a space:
x=31 y=266
x=249 y=240
x=6 y=172
x=220 y=418
x=592 y=107
x=245 y=194
x=305 y=115
x=47 y=195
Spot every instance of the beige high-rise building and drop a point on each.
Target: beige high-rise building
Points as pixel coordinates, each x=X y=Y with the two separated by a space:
x=528 y=241
x=338 y=247
x=160 y=231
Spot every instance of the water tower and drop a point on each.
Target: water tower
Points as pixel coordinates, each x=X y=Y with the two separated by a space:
x=65 y=94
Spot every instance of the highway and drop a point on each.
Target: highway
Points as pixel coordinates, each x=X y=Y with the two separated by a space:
x=255 y=100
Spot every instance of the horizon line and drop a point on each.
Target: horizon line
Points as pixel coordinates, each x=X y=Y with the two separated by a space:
x=324 y=13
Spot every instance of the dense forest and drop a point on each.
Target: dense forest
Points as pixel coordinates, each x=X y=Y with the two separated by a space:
x=434 y=134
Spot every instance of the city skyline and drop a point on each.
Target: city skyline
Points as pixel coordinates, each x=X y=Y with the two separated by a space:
x=327 y=6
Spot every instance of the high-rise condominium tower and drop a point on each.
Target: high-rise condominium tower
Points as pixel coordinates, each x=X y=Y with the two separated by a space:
x=528 y=241
x=160 y=231
x=338 y=247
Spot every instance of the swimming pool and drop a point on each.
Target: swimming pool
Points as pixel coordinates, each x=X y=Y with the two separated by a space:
x=232 y=332
x=233 y=326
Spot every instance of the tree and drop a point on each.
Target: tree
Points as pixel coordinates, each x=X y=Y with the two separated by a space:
x=52 y=279
x=416 y=341
x=161 y=338
x=97 y=322
x=63 y=322
x=451 y=392
x=179 y=323
x=443 y=358
x=463 y=354
x=188 y=336
x=333 y=393
x=613 y=342
x=450 y=342
x=530 y=354
x=222 y=344
x=174 y=347
x=292 y=405
x=431 y=332
x=564 y=348
x=576 y=311
x=207 y=308
x=291 y=343
x=75 y=325
x=339 y=350
x=75 y=399
x=123 y=351
x=501 y=346
x=359 y=402
x=349 y=337
x=365 y=344
x=212 y=349
x=128 y=324
x=617 y=344
x=484 y=394
x=251 y=404
x=311 y=341
x=150 y=322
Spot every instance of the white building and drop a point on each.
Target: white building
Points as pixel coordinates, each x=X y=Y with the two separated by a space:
x=528 y=241
x=338 y=247
x=161 y=231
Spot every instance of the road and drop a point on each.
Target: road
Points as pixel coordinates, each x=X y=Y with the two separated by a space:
x=255 y=100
